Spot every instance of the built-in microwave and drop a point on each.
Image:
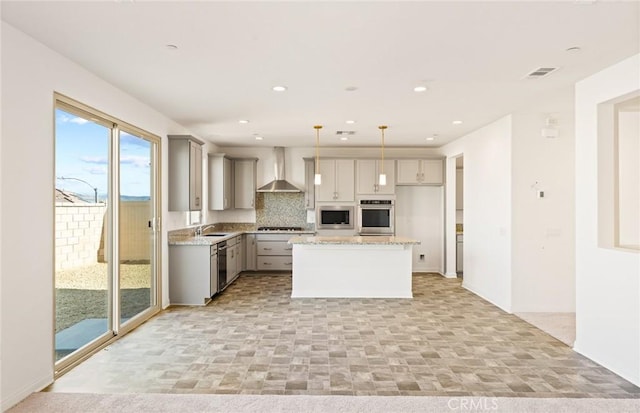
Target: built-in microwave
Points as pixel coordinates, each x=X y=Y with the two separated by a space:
x=376 y=217
x=334 y=217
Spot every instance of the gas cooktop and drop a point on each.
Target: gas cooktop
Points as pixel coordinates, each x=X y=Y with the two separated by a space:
x=279 y=228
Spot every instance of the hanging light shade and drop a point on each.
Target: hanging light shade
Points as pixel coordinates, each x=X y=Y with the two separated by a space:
x=382 y=179
x=317 y=178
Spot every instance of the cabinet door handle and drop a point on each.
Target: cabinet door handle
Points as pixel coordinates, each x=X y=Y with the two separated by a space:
x=287 y=263
x=266 y=263
x=266 y=249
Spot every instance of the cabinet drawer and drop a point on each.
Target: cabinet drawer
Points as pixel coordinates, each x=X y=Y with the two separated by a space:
x=274 y=248
x=275 y=237
x=275 y=263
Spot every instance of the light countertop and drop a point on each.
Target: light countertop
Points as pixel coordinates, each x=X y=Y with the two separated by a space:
x=208 y=240
x=357 y=240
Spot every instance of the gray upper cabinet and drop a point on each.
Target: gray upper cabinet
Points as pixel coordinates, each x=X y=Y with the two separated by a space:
x=185 y=173
x=338 y=180
x=310 y=187
x=244 y=185
x=367 y=177
x=420 y=172
x=232 y=182
x=220 y=179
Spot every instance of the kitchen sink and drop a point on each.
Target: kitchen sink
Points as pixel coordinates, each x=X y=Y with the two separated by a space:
x=215 y=235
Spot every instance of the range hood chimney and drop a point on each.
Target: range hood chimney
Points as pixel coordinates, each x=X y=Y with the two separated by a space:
x=279 y=184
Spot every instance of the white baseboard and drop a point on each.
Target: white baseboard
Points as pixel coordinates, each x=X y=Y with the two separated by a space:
x=470 y=288
x=450 y=274
x=633 y=379
x=9 y=401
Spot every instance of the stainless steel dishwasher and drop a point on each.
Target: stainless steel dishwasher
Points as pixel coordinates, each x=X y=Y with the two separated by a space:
x=213 y=271
x=222 y=265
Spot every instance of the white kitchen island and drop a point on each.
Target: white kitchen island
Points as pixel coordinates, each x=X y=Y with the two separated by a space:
x=363 y=267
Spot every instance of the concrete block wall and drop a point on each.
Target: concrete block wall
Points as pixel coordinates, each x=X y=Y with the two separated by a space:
x=78 y=234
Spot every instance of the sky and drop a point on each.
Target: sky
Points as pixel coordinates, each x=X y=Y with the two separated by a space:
x=82 y=152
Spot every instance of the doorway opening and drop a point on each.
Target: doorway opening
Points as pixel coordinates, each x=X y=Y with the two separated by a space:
x=460 y=216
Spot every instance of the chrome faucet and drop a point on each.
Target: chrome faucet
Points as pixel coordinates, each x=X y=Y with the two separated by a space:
x=202 y=229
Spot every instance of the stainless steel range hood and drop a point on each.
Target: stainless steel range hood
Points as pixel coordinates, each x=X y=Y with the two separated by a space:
x=279 y=184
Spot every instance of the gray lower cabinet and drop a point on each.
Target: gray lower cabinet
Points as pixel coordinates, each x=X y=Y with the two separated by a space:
x=273 y=252
x=193 y=274
x=250 y=252
x=459 y=253
x=232 y=259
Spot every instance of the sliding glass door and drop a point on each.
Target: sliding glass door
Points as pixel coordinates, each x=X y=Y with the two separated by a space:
x=82 y=250
x=136 y=238
x=106 y=229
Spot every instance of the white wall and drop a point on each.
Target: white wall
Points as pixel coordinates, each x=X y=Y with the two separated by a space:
x=542 y=234
x=420 y=215
x=487 y=210
x=30 y=75
x=607 y=280
x=518 y=249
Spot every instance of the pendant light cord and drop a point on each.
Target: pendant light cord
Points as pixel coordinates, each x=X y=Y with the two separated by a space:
x=317 y=128
x=382 y=128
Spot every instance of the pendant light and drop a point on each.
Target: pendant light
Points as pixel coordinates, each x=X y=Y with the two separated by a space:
x=382 y=179
x=317 y=179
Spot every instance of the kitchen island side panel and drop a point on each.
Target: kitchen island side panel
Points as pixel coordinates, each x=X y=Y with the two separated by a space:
x=352 y=271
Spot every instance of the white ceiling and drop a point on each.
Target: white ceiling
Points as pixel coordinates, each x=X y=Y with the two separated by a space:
x=472 y=56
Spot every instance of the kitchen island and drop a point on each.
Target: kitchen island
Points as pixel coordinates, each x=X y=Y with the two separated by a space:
x=362 y=267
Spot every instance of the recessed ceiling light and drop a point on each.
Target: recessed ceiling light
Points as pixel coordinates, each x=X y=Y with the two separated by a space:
x=344 y=138
x=350 y=122
x=351 y=88
x=420 y=89
x=279 y=88
x=171 y=47
x=243 y=121
x=430 y=138
x=258 y=138
x=457 y=122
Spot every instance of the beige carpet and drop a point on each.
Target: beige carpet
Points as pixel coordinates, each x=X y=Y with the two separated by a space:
x=191 y=403
x=559 y=325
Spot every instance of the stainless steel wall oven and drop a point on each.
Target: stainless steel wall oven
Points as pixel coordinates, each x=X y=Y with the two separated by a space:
x=376 y=217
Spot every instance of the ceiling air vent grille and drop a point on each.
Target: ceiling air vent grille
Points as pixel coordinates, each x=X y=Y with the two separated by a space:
x=541 y=72
x=345 y=132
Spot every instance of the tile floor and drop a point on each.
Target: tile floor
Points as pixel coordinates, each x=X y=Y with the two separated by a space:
x=255 y=339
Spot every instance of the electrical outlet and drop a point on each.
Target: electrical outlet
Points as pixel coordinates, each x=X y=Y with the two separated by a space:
x=421 y=257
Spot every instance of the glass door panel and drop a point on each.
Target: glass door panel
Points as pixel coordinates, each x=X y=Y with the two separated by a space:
x=136 y=215
x=82 y=283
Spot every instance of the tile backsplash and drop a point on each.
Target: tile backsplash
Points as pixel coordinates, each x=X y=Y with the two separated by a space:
x=281 y=209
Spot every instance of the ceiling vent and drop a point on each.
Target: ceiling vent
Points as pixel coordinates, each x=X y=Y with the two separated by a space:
x=345 y=132
x=541 y=72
